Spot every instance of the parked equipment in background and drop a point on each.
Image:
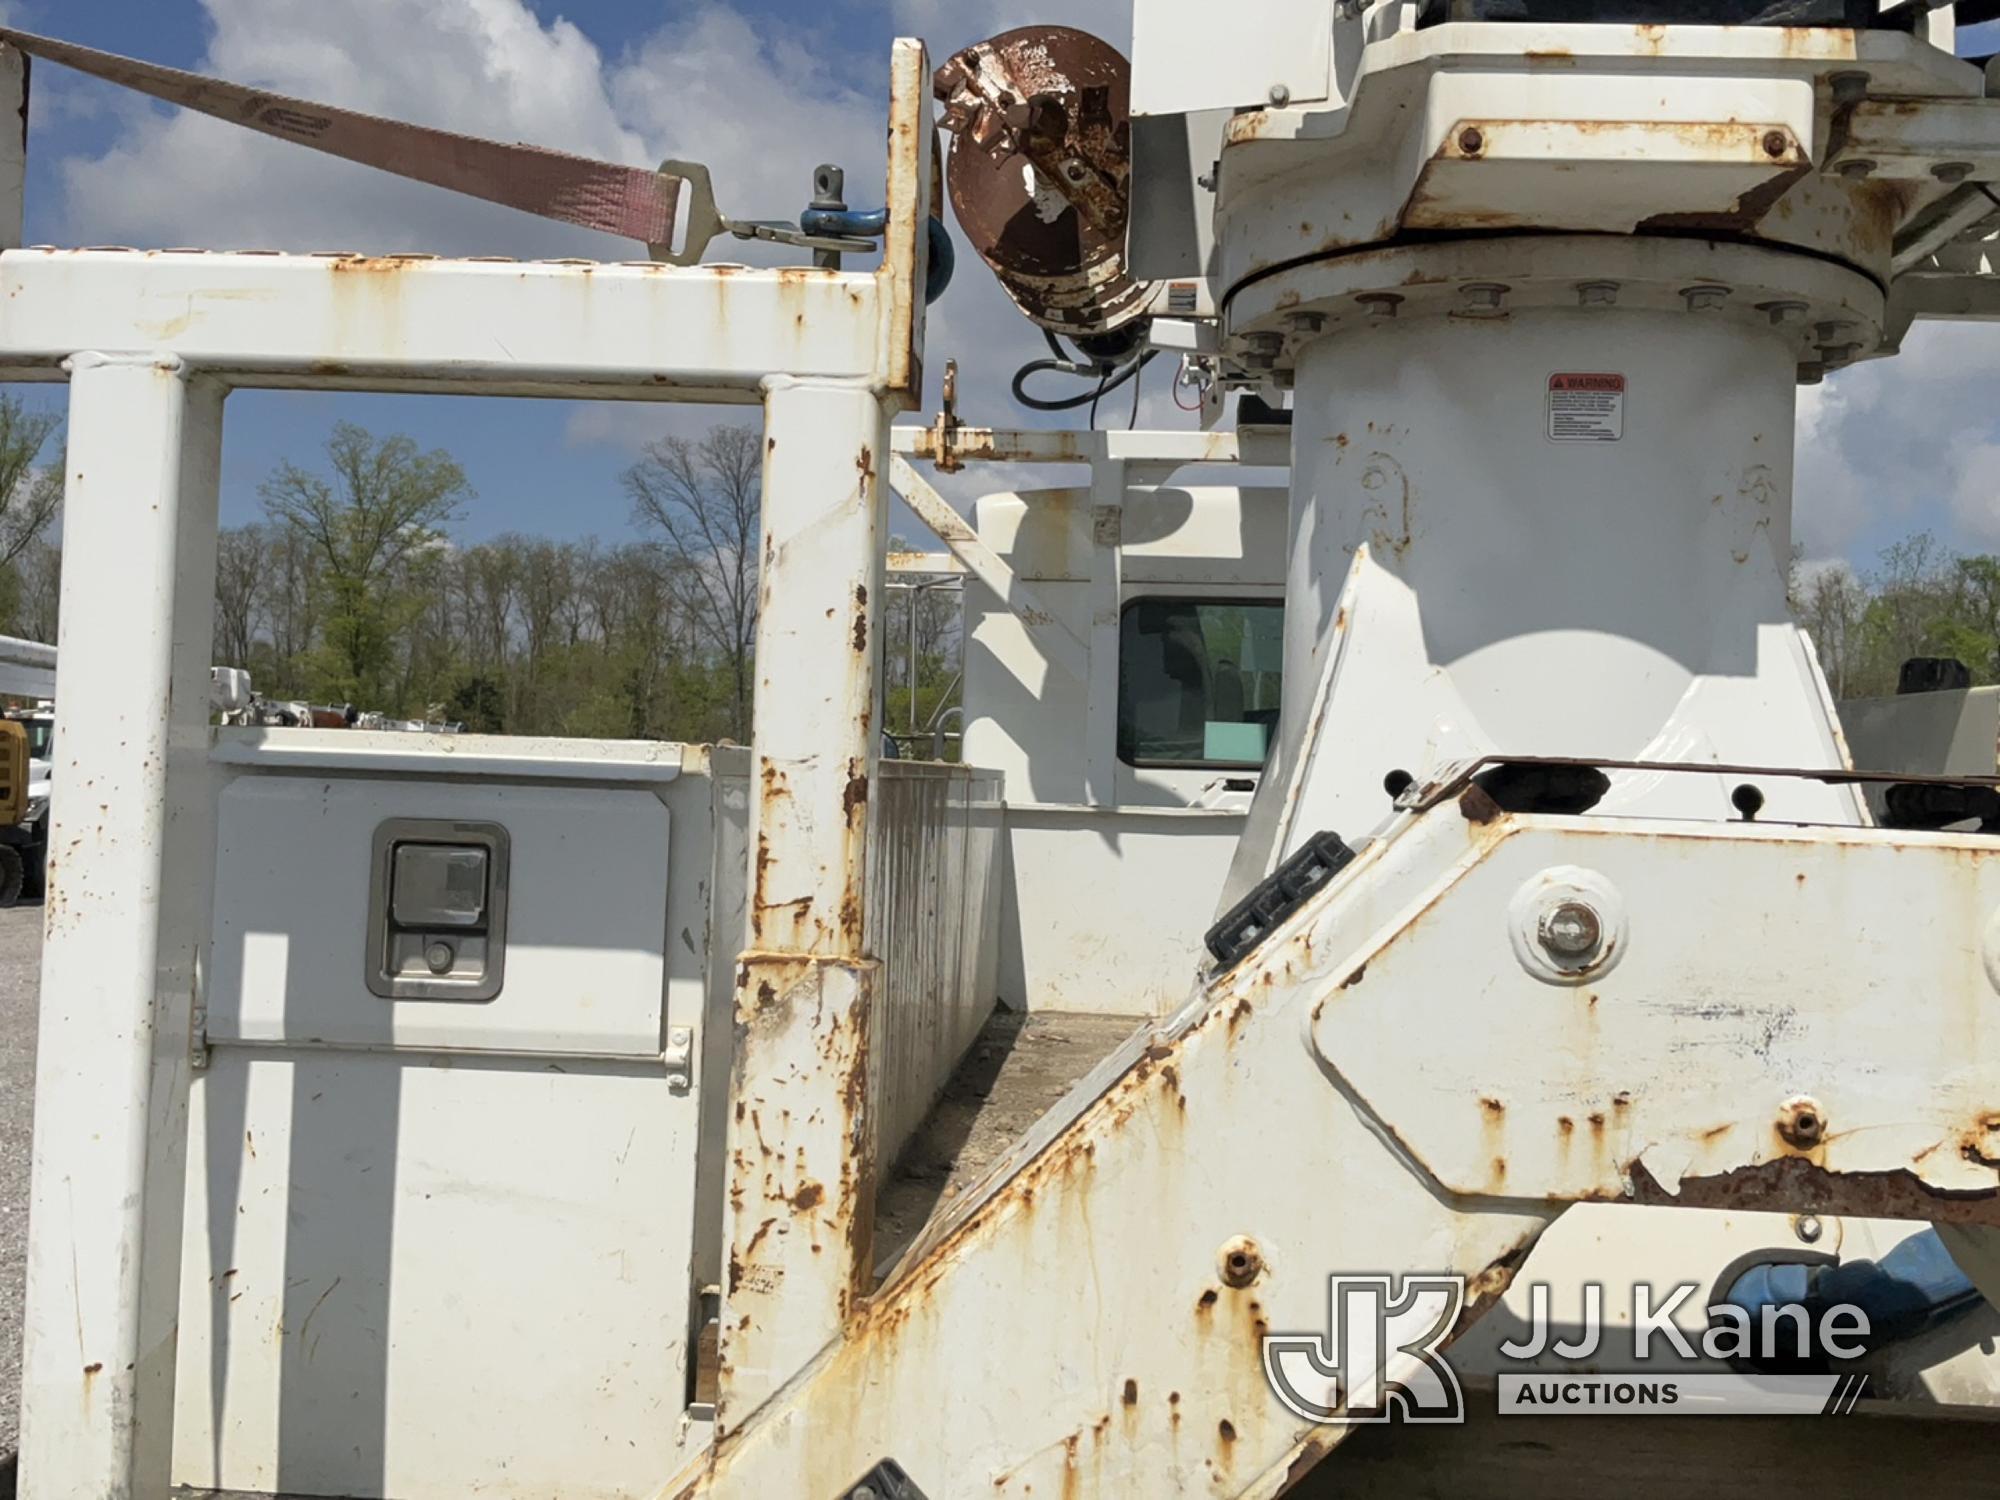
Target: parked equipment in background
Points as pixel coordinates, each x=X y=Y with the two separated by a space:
x=24 y=804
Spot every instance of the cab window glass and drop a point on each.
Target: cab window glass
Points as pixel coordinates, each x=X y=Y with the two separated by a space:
x=1198 y=681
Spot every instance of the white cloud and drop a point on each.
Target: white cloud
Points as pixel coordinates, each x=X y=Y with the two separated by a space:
x=487 y=67
x=1975 y=499
x=1904 y=444
x=755 y=102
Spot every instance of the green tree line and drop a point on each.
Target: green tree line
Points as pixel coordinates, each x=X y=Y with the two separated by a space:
x=351 y=589
x=1921 y=599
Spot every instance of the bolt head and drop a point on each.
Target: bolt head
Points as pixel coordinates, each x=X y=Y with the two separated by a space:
x=439 y=958
x=1784 y=314
x=1812 y=372
x=1484 y=296
x=1802 y=1123
x=1380 y=304
x=1808 y=1228
x=1240 y=1262
x=1952 y=172
x=1280 y=96
x=1597 y=293
x=1776 y=143
x=1857 y=170
x=1704 y=298
x=1471 y=141
x=1307 y=322
x=1571 y=932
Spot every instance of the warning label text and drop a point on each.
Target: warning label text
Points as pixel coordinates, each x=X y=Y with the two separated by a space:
x=1586 y=408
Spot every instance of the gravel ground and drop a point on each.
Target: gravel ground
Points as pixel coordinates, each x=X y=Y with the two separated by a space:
x=20 y=972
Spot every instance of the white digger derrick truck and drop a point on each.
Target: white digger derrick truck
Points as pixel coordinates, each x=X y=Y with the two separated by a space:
x=527 y=1140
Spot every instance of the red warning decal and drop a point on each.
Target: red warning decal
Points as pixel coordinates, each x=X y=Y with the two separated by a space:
x=1586 y=408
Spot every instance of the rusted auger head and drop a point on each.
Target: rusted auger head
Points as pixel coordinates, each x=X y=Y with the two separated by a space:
x=1040 y=172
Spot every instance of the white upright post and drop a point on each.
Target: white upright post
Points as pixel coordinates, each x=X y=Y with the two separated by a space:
x=129 y=817
x=1107 y=587
x=801 y=1133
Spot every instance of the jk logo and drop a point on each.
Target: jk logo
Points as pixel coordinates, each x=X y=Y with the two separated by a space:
x=1379 y=1359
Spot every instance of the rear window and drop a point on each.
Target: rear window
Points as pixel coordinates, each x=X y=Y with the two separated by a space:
x=1198 y=681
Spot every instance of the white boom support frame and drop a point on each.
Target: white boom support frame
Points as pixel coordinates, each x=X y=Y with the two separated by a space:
x=1091 y=1319
x=151 y=344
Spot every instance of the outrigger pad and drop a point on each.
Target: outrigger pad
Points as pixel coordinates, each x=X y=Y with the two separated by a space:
x=886 y=1481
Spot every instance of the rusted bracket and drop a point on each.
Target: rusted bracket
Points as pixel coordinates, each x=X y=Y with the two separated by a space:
x=1455 y=778
x=1661 y=1017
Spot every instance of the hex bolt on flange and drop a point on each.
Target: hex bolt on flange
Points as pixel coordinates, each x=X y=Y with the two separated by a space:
x=1261 y=350
x=1704 y=298
x=1857 y=170
x=1951 y=173
x=1380 y=304
x=1784 y=314
x=1484 y=296
x=1776 y=143
x=1596 y=293
x=1240 y=1262
x=1306 y=322
x=1802 y=1123
x=1571 y=932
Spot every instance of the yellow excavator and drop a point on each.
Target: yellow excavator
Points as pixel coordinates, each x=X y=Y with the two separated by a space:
x=23 y=811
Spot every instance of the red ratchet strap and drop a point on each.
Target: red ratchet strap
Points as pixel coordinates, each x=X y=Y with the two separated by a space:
x=628 y=201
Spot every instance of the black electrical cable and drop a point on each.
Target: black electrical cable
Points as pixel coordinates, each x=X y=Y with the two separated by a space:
x=1102 y=385
x=1111 y=377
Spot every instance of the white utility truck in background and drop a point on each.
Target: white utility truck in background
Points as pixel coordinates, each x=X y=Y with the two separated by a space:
x=1448 y=814
x=28 y=675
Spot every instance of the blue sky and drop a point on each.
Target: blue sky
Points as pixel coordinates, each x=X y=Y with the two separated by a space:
x=761 y=90
x=546 y=468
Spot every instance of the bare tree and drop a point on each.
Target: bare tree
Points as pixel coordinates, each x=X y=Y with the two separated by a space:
x=30 y=493
x=242 y=554
x=1830 y=602
x=291 y=607
x=702 y=498
x=37 y=574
